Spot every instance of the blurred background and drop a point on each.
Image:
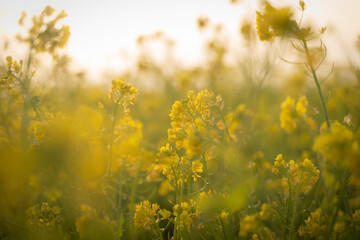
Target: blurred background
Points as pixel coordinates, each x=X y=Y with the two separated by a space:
x=104 y=33
x=83 y=129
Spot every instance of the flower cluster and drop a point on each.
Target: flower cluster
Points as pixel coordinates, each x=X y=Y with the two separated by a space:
x=146 y=215
x=275 y=22
x=291 y=113
x=43 y=35
x=315 y=225
x=11 y=72
x=44 y=215
x=122 y=94
x=183 y=117
x=339 y=145
x=176 y=169
x=303 y=175
x=184 y=215
x=248 y=225
x=279 y=22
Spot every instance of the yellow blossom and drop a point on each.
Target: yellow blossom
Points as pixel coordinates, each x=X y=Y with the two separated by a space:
x=276 y=22
x=146 y=214
x=265 y=211
x=301 y=106
x=249 y=224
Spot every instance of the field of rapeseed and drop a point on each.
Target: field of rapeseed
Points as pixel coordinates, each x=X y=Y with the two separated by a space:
x=215 y=151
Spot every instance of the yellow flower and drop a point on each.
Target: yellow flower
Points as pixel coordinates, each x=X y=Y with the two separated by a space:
x=197 y=166
x=193 y=143
x=204 y=101
x=122 y=94
x=276 y=22
x=249 y=224
x=164 y=213
x=265 y=211
x=301 y=105
x=302 y=5
x=48 y=11
x=288 y=115
x=279 y=163
x=315 y=225
x=183 y=214
x=43 y=36
x=337 y=145
x=43 y=216
x=356 y=216
x=224 y=215
x=304 y=175
x=146 y=215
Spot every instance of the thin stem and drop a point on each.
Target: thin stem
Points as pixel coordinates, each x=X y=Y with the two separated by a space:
x=226 y=127
x=112 y=139
x=208 y=180
x=313 y=72
x=188 y=190
x=157 y=228
x=176 y=202
x=288 y=210
x=132 y=199
x=342 y=197
x=292 y=225
x=159 y=232
x=223 y=228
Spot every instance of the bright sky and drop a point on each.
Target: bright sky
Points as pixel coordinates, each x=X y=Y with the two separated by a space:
x=101 y=30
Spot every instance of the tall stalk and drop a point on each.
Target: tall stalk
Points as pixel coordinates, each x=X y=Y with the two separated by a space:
x=112 y=138
x=313 y=72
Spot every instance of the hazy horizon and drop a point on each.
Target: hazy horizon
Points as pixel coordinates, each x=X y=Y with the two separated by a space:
x=103 y=34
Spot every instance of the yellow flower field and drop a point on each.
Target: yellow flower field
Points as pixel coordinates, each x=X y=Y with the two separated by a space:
x=213 y=151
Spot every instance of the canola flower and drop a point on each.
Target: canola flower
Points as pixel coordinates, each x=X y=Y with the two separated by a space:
x=293 y=113
x=146 y=215
x=12 y=72
x=122 y=94
x=183 y=214
x=339 y=145
x=43 y=36
x=44 y=215
x=315 y=225
x=304 y=175
x=275 y=22
x=248 y=225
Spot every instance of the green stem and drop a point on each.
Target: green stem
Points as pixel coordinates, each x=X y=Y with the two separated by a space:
x=226 y=127
x=112 y=139
x=157 y=228
x=182 y=186
x=223 y=228
x=342 y=197
x=292 y=225
x=159 y=231
x=313 y=72
x=176 y=202
x=288 y=210
x=27 y=81
x=132 y=199
x=208 y=180
x=188 y=190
